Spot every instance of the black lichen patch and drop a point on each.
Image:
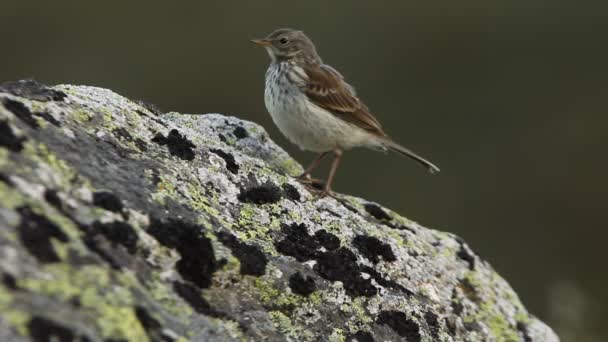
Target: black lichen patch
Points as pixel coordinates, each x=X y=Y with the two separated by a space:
x=465 y=253
x=44 y=330
x=104 y=238
x=400 y=227
x=223 y=138
x=36 y=232
x=451 y=325
x=522 y=327
x=141 y=145
x=151 y=325
x=177 y=144
x=377 y=211
x=389 y=284
x=21 y=111
x=118 y=232
x=455 y=304
x=373 y=249
x=401 y=324
x=107 y=200
x=457 y=307
x=262 y=194
x=153 y=108
x=327 y=240
x=153 y=116
x=49 y=118
x=194 y=298
x=337 y=264
x=123 y=133
x=253 y=261
x=5 y=179
x=473 y=326
x=9 y=281
x=32 y=90
x=341 y=265
x=298 y=243
x=361 y=336
x=291 y=192
x=302 y=285
x=231 y=164
x=240 y=132
x=197 y=263
x=9 y=139
x=52 y=197
x=432 y=320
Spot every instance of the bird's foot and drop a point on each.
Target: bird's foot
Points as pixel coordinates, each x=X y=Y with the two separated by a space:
x=316 y=186
x=310 y=182
x=319 y=193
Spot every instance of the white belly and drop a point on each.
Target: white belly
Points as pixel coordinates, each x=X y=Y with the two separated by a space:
x=305 y=124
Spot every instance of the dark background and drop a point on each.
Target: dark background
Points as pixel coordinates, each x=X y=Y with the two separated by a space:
x=509 y=98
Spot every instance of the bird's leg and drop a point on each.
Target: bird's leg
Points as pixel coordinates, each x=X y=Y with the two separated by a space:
x=332 y=173
x=305 y=176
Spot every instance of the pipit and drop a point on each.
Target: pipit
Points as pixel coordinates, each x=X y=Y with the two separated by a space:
x=314 y=107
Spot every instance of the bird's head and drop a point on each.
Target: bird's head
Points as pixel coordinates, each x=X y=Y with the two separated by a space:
x=288 y=44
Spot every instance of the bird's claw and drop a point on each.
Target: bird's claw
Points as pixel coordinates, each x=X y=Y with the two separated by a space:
x=311 y=182
x=316 y=187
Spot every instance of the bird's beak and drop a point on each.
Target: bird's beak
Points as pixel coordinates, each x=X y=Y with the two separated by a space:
x=261 y=42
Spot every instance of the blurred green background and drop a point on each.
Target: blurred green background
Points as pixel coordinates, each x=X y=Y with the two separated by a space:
x=509 y=98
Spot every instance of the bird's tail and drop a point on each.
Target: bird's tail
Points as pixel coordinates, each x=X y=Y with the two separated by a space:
x=393 y=146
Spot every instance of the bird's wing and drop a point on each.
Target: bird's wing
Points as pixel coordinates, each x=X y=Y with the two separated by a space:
x=327 y=88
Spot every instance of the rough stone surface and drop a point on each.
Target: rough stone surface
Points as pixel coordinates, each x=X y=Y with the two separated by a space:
x=118 y=223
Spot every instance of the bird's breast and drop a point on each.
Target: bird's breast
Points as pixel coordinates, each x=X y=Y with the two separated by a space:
x=301 y=121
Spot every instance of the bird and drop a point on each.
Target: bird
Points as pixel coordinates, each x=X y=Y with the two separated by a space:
x=316 y=109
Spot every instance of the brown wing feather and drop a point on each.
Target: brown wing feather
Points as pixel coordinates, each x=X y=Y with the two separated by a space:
x=327 y=89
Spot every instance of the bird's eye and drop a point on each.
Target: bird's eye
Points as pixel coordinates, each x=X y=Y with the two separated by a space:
x=284 y=40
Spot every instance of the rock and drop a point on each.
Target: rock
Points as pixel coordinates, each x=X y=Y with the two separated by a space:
x=121 y=223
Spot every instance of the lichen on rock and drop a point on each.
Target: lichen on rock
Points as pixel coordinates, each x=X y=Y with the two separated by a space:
x=118 y=222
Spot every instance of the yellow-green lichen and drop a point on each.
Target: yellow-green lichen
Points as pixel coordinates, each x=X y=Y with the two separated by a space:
x=290 y=167
x=17 y=319
x=294 y=215
x=337 y=335
x=11 y=315
x=247 y=215
x=523 y=317
x=232 y=264
x=36 y=106
x=269 y=294
x=199 y=201
x=249 y=228
x=164 y=188
x=9 y=197
x=108 y=303
x=108 y=118
x=489 y=312
x=357 y=309
x=232 y=328
x=162 y=294
x=81 y=115
x=41 y=153
x=497 y=323
x=133 y=118
x=4 y=155
x=396 y=237
x=316 y=297
x=473 y=278
x=400 y=219
x=331 y=227
x=284 y=324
